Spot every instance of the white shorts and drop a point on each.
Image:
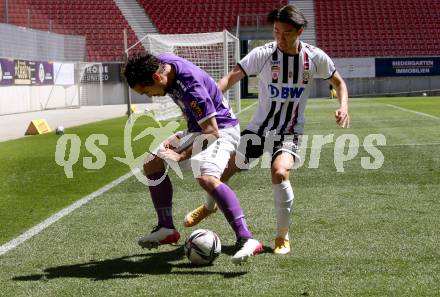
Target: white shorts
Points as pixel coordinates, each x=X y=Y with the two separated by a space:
x=208 y=157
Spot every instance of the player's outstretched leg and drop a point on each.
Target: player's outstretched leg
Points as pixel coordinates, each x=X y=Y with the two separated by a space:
x=164 y=232
x=158 y=236
x=209 y=207
x=227 y=201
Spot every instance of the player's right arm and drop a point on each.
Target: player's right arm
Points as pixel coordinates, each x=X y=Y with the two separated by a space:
x=231 y=79
x=325 y=68
x=341 y=115
x=252 y=63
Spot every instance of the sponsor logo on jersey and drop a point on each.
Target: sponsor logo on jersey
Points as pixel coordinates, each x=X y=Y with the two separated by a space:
x=275 y=71
x=285 y=92
x=196 y=108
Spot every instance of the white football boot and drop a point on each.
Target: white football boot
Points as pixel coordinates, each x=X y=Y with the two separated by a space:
x=159 y=235
x=246 y=247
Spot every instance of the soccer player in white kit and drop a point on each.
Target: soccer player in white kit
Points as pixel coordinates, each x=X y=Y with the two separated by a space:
x=286 y=69
x=212 y=134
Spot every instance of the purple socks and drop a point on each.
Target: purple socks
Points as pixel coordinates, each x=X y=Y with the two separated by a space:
x=230 y=206
x=162 y=196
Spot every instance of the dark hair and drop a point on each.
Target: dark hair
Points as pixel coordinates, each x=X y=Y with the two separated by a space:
x=139 y=69
x=288 y=14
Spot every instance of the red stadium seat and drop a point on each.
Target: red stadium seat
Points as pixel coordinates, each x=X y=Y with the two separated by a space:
x=101 y=22
x=381 y=24
x=213 y=16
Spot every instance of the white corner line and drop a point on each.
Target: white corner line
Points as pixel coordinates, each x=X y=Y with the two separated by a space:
x=413 y=111
x=62 y=213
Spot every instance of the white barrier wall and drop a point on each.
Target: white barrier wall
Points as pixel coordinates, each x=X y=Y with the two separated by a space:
x=35 y=46
x=355 y=67
x=360 y=75
x=16 y=99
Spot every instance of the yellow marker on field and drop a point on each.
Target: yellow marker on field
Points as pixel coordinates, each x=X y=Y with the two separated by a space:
x=36 y=127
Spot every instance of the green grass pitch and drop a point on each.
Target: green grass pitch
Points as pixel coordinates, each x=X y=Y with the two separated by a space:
x=354 y=233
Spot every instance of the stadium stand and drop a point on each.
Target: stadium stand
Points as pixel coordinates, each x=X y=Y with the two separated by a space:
x=20 y=14
x=101 y=22
x=205 y=16
x=343 y=28
x=359 y=28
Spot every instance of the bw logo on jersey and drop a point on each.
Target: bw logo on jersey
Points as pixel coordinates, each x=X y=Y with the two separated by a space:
x=285 y=92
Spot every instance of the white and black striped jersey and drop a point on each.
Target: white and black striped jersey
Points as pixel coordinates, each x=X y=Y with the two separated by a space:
x=284 y=85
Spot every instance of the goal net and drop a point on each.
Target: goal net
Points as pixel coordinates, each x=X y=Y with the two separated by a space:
x=216 y=52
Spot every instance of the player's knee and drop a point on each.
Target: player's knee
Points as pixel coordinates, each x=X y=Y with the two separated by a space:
x=153 y=164
x=207 y=182
x=279 y=175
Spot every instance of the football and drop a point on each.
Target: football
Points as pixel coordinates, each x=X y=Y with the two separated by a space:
x=202 y=247
x=59 y=130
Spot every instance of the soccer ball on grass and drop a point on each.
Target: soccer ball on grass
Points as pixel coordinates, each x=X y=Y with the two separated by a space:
x=59 y=130
x=202 y=247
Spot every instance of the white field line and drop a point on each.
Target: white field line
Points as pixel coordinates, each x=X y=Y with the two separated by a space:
x=363 y=120
x=243 y=110
x=411 y=144
x=413 y=111
x=327 y=146
x=65 y=211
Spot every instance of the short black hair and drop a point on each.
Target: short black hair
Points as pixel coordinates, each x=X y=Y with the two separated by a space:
x=288 y=14
x=139 y=69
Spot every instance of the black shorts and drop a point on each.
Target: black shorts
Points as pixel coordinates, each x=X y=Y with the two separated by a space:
x=252 y=145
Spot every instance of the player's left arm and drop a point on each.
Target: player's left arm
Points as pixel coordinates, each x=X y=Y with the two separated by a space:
x=209 y=131
x=341 y=115
x=200 y=104
x=231 y=79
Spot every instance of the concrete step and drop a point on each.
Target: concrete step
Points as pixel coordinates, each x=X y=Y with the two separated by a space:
x=136 y=17
x=306 y=6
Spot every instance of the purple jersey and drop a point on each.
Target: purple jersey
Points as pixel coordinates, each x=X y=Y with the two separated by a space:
x=197 y=94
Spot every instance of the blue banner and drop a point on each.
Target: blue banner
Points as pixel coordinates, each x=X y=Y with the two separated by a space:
x=42 y=73
x=23 y=72
x=421 y=66
x=7 y=72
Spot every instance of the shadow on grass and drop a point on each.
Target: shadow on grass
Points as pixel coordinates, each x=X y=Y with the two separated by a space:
x=131 y=267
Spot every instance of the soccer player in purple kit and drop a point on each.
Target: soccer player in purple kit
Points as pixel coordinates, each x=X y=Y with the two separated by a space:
x=209 y=117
